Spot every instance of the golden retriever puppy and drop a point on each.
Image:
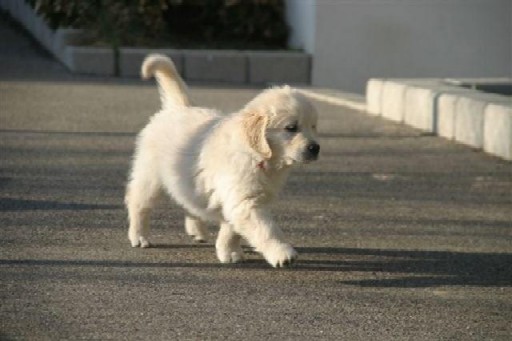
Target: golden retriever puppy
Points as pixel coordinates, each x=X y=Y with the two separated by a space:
x=220 y=168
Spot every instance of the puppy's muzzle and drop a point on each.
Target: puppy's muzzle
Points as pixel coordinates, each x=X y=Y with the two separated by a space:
x=312 y=151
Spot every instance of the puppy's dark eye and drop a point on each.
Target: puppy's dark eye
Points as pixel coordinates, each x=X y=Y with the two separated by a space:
x=292 y=128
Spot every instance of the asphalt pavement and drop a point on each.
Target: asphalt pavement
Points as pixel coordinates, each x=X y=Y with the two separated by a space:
x=402 y=235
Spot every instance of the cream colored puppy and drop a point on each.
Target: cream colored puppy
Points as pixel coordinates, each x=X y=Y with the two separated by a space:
x=220 y=168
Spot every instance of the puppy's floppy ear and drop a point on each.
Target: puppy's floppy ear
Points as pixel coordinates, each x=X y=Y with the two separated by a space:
x=254 y=126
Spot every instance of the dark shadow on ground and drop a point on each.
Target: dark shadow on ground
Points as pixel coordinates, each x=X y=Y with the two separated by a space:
x=385 y=268
x=8 y=204
x=69 y=133
x=416 y=268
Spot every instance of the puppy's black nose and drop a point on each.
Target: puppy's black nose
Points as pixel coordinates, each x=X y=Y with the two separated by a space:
x=314 y=148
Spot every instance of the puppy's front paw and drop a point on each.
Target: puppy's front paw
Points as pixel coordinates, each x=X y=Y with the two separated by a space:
x=279 y=254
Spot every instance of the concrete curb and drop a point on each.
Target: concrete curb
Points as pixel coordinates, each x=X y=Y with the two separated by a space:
x=390 y=107
x=277 y=67
x=373 y=103
x=480 y=120
x=225 y=66
x=97 y=61
x=497 y=130
x=131 y=60
x=215 y=66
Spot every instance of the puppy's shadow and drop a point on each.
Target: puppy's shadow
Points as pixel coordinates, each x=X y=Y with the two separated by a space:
x=384 y=267
x=253 y=261
x=200 y=245
x=404 y=268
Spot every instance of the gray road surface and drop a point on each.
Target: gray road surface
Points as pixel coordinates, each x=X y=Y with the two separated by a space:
x=402 y=236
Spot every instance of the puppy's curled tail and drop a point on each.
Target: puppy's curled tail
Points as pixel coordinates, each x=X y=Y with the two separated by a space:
x=173 y=90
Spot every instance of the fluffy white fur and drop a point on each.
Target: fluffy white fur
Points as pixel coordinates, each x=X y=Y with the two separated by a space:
x=220 y=168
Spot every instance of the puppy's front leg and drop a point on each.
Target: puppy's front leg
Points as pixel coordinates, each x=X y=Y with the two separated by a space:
x=256 y=226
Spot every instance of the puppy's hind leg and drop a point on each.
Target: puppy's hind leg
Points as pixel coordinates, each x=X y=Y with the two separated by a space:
x=196 y=229
x=139 y=199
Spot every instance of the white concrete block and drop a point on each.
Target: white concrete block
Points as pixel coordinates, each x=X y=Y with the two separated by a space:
x=469 y=117
x=419 y=108
x=469 y=121
x=498 y=130
x=393 y=100
x=374 y=89
x=446 y=106
x=131 y=60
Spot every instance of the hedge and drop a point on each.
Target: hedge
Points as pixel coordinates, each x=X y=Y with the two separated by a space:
x=233 y=24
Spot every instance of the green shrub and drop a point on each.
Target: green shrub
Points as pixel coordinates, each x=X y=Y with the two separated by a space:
x=227 y=23
x=239 y=24
x=112 y=22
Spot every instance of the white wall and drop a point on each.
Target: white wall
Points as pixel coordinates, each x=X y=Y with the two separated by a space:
x=301 y=18
x=355 y=40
